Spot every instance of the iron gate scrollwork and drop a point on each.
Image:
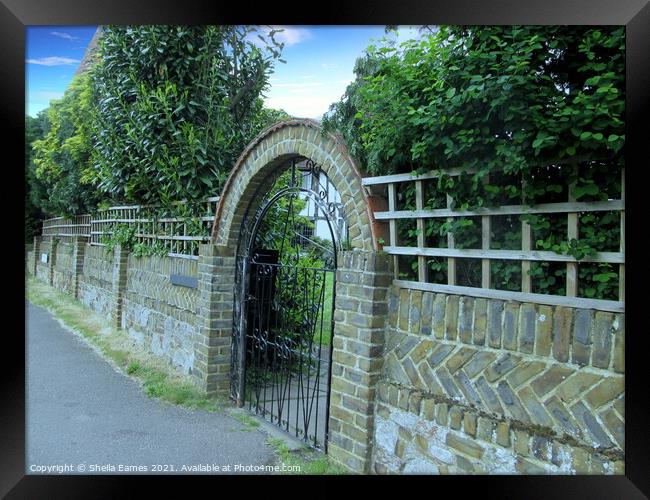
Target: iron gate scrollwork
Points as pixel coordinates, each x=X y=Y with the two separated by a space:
x=284 y=301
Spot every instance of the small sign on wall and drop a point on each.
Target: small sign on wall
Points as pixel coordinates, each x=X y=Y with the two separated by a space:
x=44 y=257
x=181 y=280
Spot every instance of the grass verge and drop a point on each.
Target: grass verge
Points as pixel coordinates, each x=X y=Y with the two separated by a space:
x=157 y=377
x=249 y=422
x=309 y=462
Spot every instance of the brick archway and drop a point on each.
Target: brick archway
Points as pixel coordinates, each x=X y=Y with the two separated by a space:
x=362 y=279
x=272 y=148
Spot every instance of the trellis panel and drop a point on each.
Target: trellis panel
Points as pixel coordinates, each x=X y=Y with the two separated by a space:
x=526 y=255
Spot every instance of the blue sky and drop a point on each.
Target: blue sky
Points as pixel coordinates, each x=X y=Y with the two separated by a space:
x=53 y=54
x=319 y=64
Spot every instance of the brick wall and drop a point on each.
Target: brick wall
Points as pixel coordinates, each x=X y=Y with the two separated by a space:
x=62 y=274
x=29 y=263
x=96 y=280
x=362 y=280
x=421 y=382
x=43 y=268
x=486 y=386
x=157 y=313
x=132 y=293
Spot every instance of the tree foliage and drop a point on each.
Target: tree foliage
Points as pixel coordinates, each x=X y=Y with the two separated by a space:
x=511 y=102
x=34 y=190
x=159 y=117
x=176 y=105
x=62 y=156
x=486 y=97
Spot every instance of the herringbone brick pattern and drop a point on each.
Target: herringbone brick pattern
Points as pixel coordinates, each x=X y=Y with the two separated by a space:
x=98 y=267
x=148 y=283
x=586 y=405
x=556 y=368
x=580 y=337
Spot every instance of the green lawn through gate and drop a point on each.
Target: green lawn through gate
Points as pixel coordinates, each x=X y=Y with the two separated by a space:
x=326 y=312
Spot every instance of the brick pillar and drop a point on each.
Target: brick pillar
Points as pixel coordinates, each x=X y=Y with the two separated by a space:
x=215 y=306
x=362 y=282
x=37 y=253
x=53 y=244
x=78 y=249
x=120 y=262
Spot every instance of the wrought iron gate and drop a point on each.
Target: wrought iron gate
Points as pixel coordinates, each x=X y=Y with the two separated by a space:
x=284 y=302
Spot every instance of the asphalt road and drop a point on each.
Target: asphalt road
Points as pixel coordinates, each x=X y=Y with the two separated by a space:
x=86 y=418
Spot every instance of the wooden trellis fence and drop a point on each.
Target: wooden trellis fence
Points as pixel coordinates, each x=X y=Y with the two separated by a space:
x=178 y=235
x=67 y=228
x=526 y=255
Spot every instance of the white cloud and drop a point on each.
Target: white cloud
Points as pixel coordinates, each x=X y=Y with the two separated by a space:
x=300 y=106
x=54 y=61
x=65 y=36
x=289 y=36
x=292 y=36
x=305 y=100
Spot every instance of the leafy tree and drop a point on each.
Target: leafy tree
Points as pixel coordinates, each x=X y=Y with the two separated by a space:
x=34 y=190
x=62 y=156
x=161 y=118
x=511 y=95
x=511 y=102
x=176 y=105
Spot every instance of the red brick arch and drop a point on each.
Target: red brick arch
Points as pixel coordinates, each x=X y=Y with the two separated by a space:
x=271 y=150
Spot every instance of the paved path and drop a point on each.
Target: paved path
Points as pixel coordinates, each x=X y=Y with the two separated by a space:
x=81 y=411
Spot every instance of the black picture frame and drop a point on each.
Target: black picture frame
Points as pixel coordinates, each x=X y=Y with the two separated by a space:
x=15 y=15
